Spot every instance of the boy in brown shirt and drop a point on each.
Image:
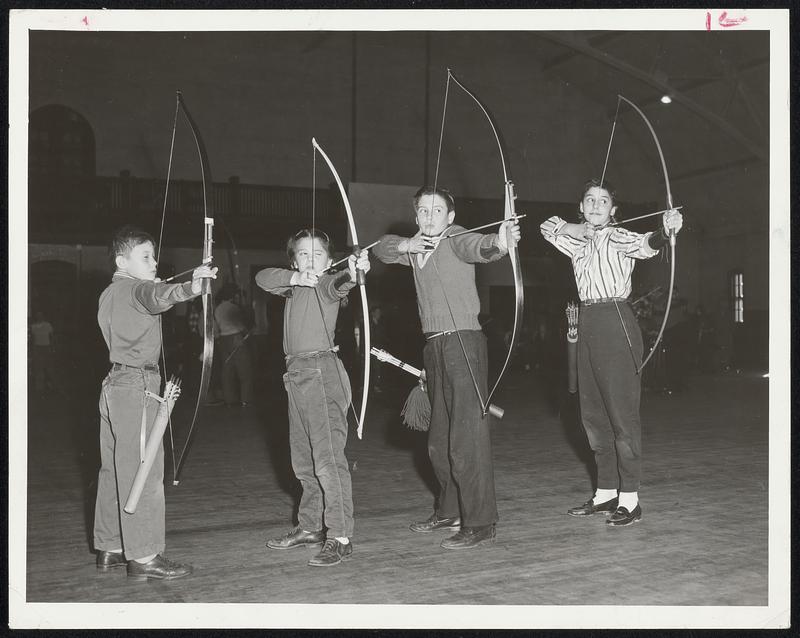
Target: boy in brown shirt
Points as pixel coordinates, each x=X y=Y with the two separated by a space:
x=129 y=317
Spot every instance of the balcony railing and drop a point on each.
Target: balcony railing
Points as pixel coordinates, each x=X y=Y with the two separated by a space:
x=75 y=205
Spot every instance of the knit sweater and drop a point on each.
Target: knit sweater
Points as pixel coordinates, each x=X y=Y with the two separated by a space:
x=451 y=265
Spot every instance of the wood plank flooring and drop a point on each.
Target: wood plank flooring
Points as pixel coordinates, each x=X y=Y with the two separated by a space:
x=702 y=539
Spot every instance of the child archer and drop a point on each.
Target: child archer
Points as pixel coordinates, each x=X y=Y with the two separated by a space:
x=129 y=316
x=455 y=355
x=319 y=392
x=609 y=385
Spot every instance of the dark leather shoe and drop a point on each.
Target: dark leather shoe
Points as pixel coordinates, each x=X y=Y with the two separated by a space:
x=623 y=517
x=589 y=508
x=434 y=523
x=333 y=552
x=110 y=560
x=469 y=537
x=159 y=568
x=297 y=538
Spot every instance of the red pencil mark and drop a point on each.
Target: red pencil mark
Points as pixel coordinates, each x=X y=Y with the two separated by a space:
x=725 y=21
x=708 y=21
x=85 y=20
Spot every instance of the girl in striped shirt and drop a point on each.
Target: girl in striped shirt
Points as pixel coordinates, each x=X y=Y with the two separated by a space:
x=609 y=385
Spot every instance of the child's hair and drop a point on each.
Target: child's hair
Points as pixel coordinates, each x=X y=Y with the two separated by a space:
x=126 y=239
x=606 y=186
x=315 y=233
x=430 y=191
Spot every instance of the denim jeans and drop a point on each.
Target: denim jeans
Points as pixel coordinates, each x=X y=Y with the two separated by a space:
x=319 y=394
x=610 y=392
x=459 y=442
x=122 y=400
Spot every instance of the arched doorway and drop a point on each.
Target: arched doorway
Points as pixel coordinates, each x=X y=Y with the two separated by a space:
x=61 y=142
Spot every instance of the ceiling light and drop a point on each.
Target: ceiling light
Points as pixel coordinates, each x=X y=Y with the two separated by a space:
x=666 y=99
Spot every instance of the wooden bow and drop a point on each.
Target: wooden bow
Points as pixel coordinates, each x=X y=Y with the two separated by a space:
x=208 y=305
x=362 y=288
x=513 y=253
x=671 y=234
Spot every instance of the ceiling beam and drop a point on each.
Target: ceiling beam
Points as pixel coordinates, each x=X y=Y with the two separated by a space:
x=582 y=46
x=719 y=168
x=602 y=38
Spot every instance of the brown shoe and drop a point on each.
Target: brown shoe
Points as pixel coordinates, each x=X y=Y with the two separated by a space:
x=435 y=523
x=297 y=538
x=589 y=508
x=469 y=537
x=110 y=560
x=159 y=568
x=333 y=552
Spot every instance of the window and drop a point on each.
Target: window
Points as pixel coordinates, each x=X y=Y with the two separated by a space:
x=737 y=296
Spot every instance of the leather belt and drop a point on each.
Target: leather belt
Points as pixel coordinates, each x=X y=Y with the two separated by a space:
x=150 y=367
x=592 y=302
x=439 y=334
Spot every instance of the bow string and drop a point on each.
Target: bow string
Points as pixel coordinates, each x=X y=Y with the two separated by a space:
x=205 y=291
x=366 y=340
x=508 y=213
x=670 y=206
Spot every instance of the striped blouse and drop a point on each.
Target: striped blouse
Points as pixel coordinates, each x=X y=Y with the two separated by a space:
x=603 y=265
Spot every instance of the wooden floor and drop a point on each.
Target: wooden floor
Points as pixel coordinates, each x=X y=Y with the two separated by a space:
x=702 y=539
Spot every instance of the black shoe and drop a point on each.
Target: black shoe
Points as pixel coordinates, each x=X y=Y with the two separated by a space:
x=110 y=560
x=469 y=537
x=623 y=517
x=159 y=568
x=434 y=523
x=333 y=552
x=589 y=508
x=297 y=538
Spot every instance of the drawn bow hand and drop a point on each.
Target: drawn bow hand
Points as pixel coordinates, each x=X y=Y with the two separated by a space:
x=200 y=273
x=306 y=278
x=419 y=244
x=510 y=227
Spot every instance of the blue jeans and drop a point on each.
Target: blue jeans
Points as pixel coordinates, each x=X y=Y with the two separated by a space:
x=459 y=442
x=122 y=400
x=319 y=394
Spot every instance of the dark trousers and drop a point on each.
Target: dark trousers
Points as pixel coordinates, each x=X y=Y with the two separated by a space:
x=459 y=443
x=610 y=392
x=319 y=393
x=122 y=400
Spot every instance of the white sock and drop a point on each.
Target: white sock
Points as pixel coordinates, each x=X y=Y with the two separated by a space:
x=629 y=500
x=343 y=540
x=146 y=559
x=603 y=496
x=114 y=551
